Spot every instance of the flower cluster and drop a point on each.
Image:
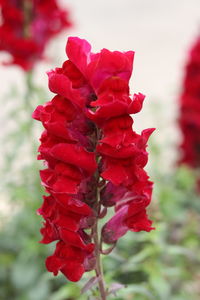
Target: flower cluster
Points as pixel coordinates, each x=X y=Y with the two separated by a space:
x=189 y=119
x=93 y=157
x=27 y=26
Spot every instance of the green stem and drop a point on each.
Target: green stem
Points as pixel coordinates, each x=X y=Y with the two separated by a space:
x=98 y=268
x=95 y=231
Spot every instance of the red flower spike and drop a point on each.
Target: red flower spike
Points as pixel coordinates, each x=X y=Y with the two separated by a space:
x=89 y=143
x=27 y=27
x=189 y=118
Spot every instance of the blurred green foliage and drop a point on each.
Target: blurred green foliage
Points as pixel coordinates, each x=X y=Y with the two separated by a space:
x=161 y=265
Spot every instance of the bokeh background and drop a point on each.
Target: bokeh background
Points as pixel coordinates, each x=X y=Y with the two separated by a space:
x=161 y=265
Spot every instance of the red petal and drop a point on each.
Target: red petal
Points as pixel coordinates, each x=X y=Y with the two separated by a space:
x=78 y=51
x=37 y=112
x=54 y=264
x=49 y=233
x=75 y=155
x=74 y=239
x=73 y=271
x=136 y=104
x=115 y=173
x=72 y=204
x=60 y=84
x=65 y=185
x=69 y=222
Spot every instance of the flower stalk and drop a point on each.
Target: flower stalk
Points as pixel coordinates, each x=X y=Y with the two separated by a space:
x=95 y=229
x=93 y=158
x=98 y=267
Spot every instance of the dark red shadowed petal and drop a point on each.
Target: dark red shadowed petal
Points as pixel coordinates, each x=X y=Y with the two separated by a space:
x=74 y=239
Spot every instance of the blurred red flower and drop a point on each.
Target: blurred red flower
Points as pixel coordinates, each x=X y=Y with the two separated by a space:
x=189 y=119
x=27 y=26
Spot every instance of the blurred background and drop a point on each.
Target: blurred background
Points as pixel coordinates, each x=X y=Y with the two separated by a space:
x=161 y=265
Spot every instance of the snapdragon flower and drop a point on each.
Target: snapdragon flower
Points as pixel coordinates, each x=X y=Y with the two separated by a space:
x=93 y=158
x=189 y=119
x=26 y=28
